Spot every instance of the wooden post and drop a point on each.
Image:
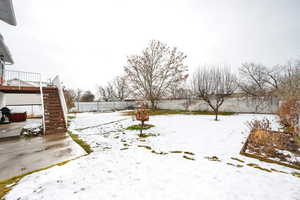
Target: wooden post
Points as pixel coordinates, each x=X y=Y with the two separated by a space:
x=142 y=126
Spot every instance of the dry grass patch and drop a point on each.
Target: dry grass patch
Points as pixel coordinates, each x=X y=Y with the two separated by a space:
x=139 y=127
x=256 y=166
x=145 y=135
x=159 y=153
x=176 y=151
x=145 y=146
x=239 y=160
x=238 y=166
x=81 y=143
x=187 y=157
x=189 y=153
x=213 y=158
x=296 y=174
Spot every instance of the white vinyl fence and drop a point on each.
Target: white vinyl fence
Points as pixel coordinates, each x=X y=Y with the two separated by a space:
x=102 y=106
x=239 y=105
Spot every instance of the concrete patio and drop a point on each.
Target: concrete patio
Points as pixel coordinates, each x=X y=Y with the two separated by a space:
x=14 y=129
x=20 y=155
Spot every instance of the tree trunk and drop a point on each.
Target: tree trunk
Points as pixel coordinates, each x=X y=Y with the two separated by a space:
x=216 y=113
x=152 y=104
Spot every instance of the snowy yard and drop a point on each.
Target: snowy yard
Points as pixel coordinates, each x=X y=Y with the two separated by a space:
x=193 y=157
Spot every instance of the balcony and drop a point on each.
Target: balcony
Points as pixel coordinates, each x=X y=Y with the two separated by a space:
x=20 y=78
x=19 y=81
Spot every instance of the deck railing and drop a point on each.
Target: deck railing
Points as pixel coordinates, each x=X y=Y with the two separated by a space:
x=20 y=78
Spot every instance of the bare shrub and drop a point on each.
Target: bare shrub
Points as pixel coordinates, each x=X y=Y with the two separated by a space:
x=256 y=124
x=70 y=97
x=288 y=114
x=87 y=96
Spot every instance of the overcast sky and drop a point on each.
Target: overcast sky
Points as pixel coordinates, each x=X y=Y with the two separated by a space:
x=86 y=42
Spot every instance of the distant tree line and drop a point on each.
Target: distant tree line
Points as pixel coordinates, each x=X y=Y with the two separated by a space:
x=160 y=72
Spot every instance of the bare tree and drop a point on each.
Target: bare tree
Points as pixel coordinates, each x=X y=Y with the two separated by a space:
x=188 y=99
x=289 y=86
x=260 y=83
x=78 y=94
x=213 y=85
x=106 y=93
x=254 y=79
x=70 y=97
x=102 y=93
x=120 y=87
x=281 y=80
x=159 y=68
x=178 y=92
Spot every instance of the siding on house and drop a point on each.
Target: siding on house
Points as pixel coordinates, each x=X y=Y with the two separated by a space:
x=22 y=99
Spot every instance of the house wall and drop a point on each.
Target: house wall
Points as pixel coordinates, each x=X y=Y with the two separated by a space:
x=2 y=99
x=21 y=99
x=29 y=103
x=31 y=110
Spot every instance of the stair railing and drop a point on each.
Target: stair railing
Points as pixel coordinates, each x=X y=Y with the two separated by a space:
x=43 y=109
x=56 y=82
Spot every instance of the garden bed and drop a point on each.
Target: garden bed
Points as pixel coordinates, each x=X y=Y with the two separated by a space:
x=274 y=147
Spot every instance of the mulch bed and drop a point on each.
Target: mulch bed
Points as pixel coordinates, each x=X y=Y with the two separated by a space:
x=273 y=147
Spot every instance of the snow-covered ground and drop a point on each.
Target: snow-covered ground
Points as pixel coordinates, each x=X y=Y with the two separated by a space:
x=193 y=157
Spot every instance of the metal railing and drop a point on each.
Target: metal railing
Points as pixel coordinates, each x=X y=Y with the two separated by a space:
x=20 y=78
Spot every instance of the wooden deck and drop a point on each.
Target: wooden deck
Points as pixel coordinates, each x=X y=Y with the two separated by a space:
x=19 y=90
x=22 y=89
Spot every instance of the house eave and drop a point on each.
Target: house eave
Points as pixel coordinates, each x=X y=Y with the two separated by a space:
x=7 y=13
x=4 y=52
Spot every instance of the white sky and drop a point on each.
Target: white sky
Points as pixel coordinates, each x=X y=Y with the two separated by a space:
x=86 y=42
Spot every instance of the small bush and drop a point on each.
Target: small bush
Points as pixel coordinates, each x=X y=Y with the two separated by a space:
x=256 y=124
x=288 y=114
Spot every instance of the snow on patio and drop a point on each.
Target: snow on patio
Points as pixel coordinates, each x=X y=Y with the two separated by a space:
x=124 y=166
